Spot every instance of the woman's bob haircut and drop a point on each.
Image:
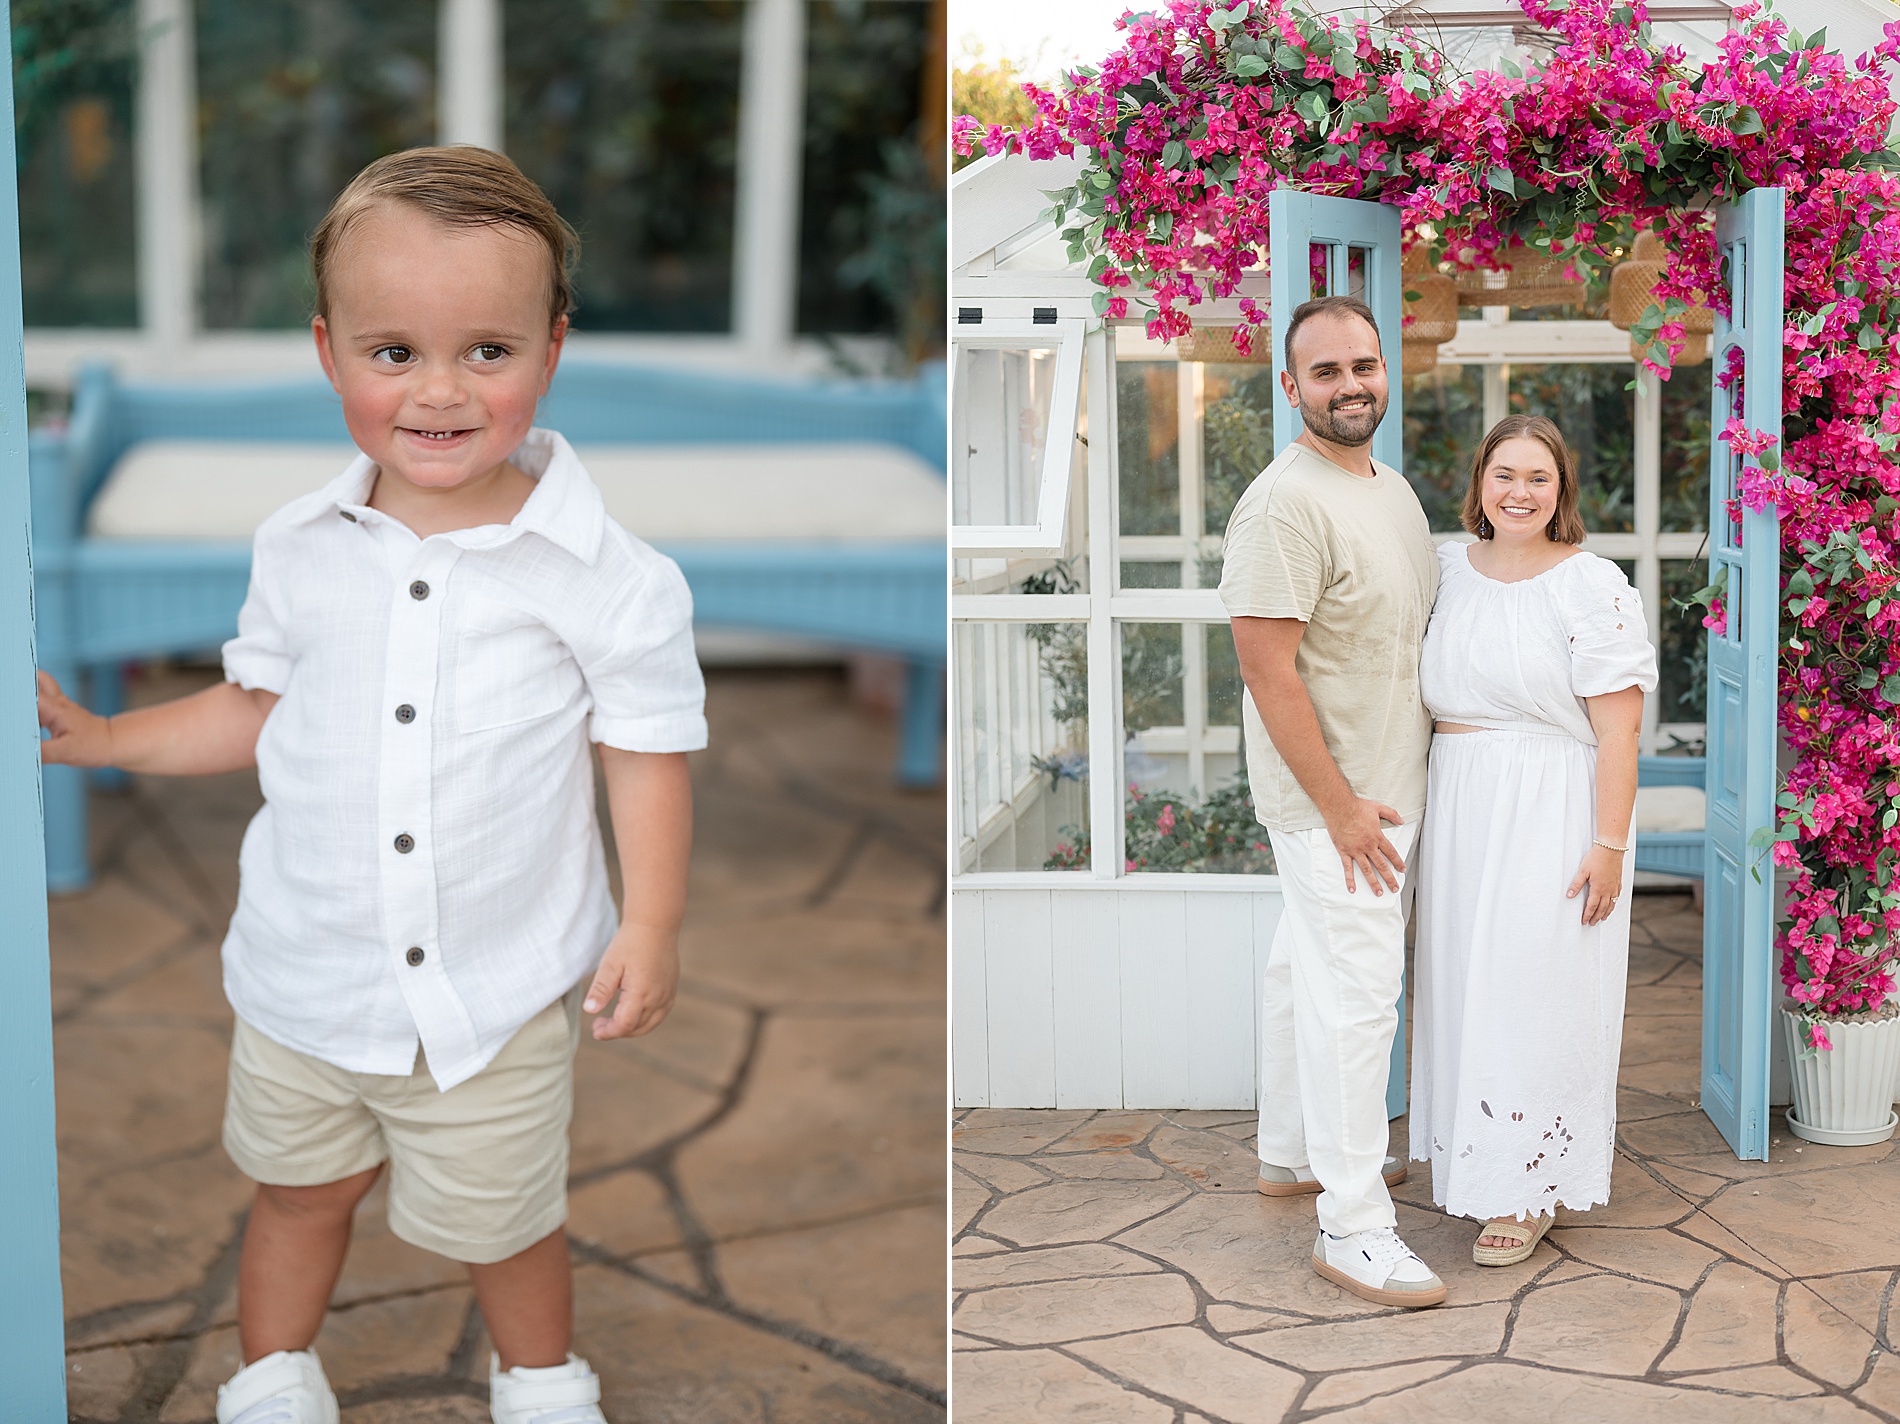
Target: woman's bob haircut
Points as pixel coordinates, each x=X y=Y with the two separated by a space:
x=1566 y=525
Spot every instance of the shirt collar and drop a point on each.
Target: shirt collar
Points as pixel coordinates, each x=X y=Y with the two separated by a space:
x=564 y=507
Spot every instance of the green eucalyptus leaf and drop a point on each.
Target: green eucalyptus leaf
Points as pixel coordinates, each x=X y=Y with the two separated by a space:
x=1502 y=179
x=1747 y=121
x=1250 y=66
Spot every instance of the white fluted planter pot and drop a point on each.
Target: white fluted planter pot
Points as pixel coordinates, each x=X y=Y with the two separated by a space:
x=1843 y=1095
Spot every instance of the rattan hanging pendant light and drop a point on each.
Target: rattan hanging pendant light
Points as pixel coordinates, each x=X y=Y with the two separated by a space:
x=1632 y=292
x=1431 y=310
x=1532 y=278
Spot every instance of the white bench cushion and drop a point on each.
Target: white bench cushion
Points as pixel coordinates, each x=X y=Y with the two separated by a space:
x=222 y=490
x=1661 y=809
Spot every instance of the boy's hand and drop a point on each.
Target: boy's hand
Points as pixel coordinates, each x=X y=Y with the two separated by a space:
x=79 y=737
x=642 y=964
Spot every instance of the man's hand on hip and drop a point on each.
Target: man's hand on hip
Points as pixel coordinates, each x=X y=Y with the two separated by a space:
x=1358 y=832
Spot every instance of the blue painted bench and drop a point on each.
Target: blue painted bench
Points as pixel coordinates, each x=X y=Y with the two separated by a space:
x=100 y=602
x=1670 y=852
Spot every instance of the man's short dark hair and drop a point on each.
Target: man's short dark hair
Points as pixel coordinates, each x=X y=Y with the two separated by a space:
x=1326 y=306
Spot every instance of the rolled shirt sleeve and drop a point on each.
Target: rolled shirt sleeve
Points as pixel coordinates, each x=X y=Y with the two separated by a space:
x=259 y=659
x=639 y=663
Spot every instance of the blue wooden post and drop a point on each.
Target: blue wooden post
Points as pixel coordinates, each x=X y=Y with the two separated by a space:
x=920 y=743
x=1738 y=971
x=32 y=1339
x=1299 y=222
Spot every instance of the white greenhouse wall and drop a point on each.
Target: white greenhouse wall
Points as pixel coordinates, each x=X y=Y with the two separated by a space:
x=1138 y=995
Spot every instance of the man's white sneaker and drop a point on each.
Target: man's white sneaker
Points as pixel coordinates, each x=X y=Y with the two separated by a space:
x=558 y=1394
x=1378 y=1267
x=286 y=1387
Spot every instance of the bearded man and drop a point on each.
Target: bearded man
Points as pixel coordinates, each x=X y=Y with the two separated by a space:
x=1329 y=577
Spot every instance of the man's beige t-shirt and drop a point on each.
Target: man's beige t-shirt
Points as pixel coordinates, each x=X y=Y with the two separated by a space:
x=1353 y=559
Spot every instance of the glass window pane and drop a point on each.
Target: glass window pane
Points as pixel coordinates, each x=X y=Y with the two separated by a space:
x=1022 y=746
x=1596 y=411
x=1236 y=439
x=1187 y=806
x=627 y=113
x=1151 y=573
x=1148 y=440
x=294 y=97
x=871 y=210
x=1681 y=695
x=1003 y=401
x=73 y=74
x=1685 y=448
x=1444 y=424
x=1067 y=572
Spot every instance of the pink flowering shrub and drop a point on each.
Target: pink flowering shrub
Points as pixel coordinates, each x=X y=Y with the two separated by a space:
x=1204 y=110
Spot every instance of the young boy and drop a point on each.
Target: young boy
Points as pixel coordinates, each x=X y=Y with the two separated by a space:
x=428 y=645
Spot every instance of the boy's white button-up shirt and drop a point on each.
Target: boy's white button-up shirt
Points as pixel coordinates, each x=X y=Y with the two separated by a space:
x=427 y=865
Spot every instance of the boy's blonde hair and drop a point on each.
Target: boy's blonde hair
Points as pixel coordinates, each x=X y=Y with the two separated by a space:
x=463 y=186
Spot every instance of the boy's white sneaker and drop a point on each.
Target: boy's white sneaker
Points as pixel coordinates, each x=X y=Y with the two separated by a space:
x=1376 y=1266
x=285 y=1387
x=557 y=1394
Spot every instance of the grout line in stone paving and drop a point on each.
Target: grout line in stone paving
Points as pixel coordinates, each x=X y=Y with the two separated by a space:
x=162 y=1376
x=851 y=1356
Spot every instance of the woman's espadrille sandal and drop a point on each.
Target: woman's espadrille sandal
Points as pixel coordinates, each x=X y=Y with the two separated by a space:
x=1525 y=1233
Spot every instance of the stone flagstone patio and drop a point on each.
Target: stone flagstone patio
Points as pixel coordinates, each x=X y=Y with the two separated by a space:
x=1120 y=1267
x=757 y=1189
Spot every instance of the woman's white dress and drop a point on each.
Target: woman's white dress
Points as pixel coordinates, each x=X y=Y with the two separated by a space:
x=1518 y=1015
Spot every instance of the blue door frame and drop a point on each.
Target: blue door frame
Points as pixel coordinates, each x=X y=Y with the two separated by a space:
x=1738 y=978
x=1362 y=255
x=32 y=1337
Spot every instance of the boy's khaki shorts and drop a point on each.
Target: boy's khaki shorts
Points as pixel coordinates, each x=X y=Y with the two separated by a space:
x=476 y=1174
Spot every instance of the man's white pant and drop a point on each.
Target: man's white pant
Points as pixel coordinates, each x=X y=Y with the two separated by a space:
x=1331 y=1007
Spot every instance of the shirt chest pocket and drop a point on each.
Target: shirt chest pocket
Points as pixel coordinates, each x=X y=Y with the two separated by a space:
x=509 y=667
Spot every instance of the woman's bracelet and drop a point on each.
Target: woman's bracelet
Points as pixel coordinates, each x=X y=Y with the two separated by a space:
x=1620 y=850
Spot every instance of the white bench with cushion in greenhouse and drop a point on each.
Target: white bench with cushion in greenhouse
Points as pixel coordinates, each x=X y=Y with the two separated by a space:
x=814 y=510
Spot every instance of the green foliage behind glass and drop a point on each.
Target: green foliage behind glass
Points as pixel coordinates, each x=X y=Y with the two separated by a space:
x=1444 y=423
x=74 y=64
x=1594 y=408
x=1236 y=438
x=627 y=113
x=1682 y=695
x=1685 y=448
x=1148 y=436
x=294 y=98
x=871 y=214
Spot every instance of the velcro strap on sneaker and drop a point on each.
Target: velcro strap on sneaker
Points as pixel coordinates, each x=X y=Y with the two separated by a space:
x=548 y=1394
x=263 y=1380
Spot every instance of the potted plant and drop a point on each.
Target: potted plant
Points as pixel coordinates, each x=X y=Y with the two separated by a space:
x=1841 y=1028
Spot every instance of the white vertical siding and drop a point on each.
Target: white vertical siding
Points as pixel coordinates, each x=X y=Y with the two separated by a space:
x=1019 y=995
x=1221 y=993
x=1100 y=997
x=969 y=988
x=1088 y=999
x=1155 y=1025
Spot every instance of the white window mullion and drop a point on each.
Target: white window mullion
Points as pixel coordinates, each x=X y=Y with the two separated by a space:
x=1497 y=391
x=165 y=155
x=468 y=79
x=770 y=173
x=1106 y=836
x=1192 y=403
x=1648 y=474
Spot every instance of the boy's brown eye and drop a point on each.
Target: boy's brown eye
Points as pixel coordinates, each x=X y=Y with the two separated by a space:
x=395 y=354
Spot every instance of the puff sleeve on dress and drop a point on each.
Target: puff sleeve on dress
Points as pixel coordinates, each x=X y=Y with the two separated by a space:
x=1609 y=640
